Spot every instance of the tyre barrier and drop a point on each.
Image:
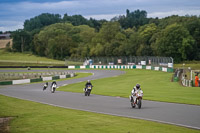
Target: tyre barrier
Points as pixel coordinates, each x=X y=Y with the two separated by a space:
x=23 y=81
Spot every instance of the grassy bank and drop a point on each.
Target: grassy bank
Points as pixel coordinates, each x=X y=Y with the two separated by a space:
x=194 y=65
x=33 y=117
x=28 y=59
x=156 y=85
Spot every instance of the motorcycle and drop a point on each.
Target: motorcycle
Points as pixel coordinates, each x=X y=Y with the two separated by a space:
x=53 y=88
x=138 y=101
x=88 y=90
x=45 y=86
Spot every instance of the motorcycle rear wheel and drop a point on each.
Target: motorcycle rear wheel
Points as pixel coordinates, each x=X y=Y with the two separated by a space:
x=53 y=90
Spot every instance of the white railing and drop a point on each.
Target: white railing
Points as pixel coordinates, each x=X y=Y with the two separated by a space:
x=36 y=62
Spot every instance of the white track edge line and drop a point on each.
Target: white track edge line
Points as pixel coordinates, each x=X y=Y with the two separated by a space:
x=164 y=122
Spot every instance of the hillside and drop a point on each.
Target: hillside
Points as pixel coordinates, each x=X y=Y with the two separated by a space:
x=24 y=59
x=4 y=42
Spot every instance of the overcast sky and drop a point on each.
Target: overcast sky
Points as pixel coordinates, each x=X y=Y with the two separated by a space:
x=13 y=13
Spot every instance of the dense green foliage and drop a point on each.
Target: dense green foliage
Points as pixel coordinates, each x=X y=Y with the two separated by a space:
x=127 y=35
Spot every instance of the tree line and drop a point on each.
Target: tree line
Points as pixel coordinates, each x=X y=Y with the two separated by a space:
x=132 y=34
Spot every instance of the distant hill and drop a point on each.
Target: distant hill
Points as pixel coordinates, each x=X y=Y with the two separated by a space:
x=4 y=42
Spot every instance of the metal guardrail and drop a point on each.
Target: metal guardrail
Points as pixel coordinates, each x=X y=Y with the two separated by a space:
x=36 y=62
x=10 y=75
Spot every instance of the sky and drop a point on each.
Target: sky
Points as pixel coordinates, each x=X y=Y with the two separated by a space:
x=13 y=13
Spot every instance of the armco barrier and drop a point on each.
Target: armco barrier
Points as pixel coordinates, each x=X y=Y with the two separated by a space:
x=157 y=68
x=46 y=78
x=77 y=66
x=36 y=80
x=23 y=81
x=55 y=77
x=62 y=76
x=6 y=83
x=143 y=67
x=71 y=67
x=148 y=67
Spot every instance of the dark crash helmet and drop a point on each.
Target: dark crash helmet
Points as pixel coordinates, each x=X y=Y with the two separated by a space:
x=137 y=86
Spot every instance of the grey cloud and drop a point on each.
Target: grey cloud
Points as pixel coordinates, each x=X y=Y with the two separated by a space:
x=19 y=11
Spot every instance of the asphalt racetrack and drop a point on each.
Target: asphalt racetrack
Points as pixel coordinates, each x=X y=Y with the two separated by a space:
x=170 y=113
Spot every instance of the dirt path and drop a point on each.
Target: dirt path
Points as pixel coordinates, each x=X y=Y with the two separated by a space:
x=4 y=42
x=4 y=124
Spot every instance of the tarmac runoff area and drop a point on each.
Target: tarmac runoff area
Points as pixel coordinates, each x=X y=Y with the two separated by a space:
x=169 y=113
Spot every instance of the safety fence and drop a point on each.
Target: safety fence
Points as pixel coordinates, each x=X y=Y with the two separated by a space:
x=188 y=77
x=184 y=76
x=186 y=82
x=9 y=75
x=127 y=60
x=177 y=74
x=23 y=81
x=164 y=69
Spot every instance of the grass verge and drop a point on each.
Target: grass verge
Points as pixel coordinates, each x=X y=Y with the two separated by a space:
x=28 y=59
x=33 y=117
x=157 y=86
x=194 y=65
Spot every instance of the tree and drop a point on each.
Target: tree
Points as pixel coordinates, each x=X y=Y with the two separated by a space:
x=175 y=41
x=75 y=19
x=40 y=21
x=21 y=41
x=136 y=18
x=193 y=25
x=52 y=40
x=109 y=31
x=133 y=44
x=145 y=37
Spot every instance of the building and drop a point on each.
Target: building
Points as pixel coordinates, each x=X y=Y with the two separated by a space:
x=5 y=36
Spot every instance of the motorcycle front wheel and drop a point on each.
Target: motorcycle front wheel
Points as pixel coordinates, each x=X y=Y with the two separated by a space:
x=132 y=105
x=139 y=103
x=89 y=93
x=53 y=90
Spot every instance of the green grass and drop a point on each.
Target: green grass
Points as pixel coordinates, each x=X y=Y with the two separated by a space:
x=194 y=65
x=16 y=56
x=157 y=86
x=31 y=117
x=28 y=59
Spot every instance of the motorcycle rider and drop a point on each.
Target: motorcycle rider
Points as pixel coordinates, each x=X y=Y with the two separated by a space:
x=45 y=86
x=54 y=82
x=134 y=91
x=88 y=83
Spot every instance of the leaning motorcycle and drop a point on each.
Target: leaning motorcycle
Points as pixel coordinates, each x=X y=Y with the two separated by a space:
x=88 y=90
x=53 y=88
x=45 y=87
x=138 y=101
